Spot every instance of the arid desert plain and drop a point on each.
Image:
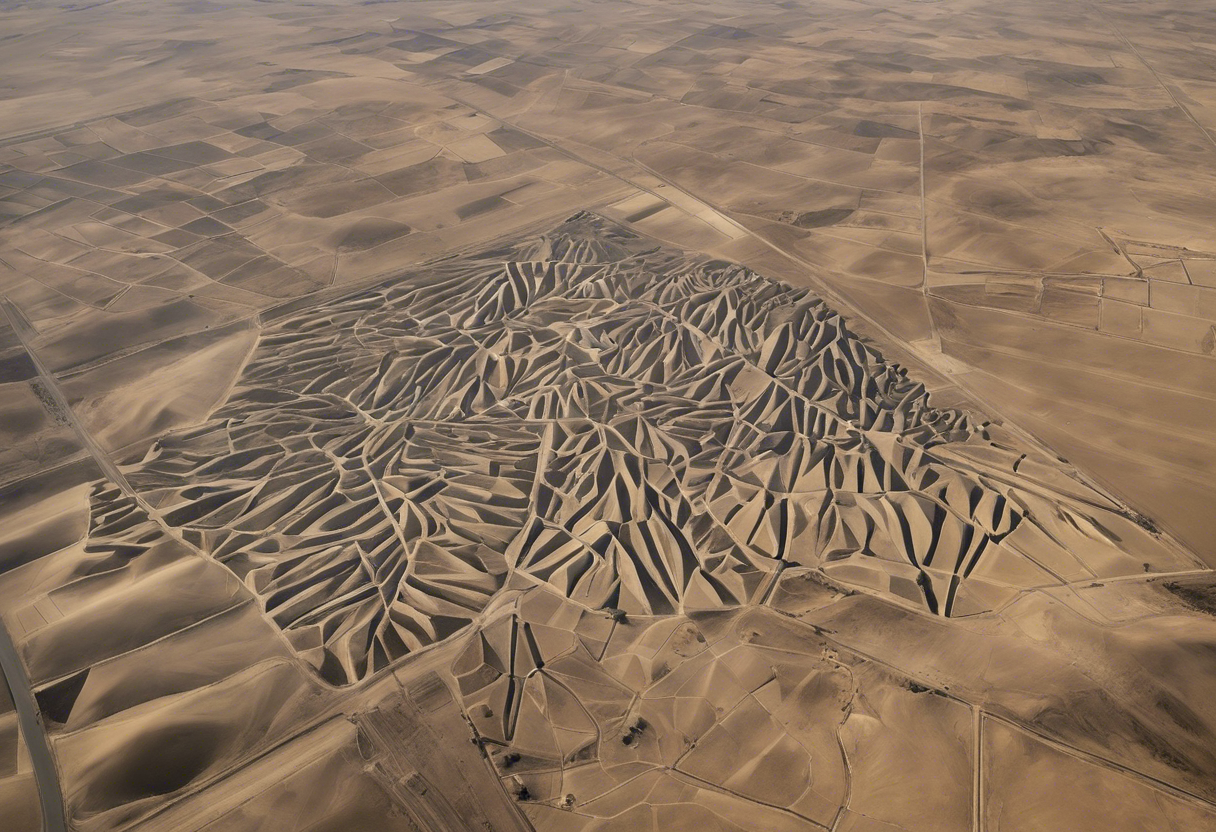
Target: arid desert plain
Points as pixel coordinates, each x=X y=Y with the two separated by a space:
x=608 y=416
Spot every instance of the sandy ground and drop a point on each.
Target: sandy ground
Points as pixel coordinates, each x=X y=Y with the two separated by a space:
x=389 y=440
x=19 y=786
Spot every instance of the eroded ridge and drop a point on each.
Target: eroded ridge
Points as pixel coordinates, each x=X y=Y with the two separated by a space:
x=639 y=429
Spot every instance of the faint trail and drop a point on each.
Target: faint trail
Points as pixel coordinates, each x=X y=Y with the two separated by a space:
x=1073 y=751
x=848 y=783
x=108 y=469
x=1142 y=578
x=924 y=224
x=1160 y=82
x=46 y=775
x=977 y=739
x=1110 y=765
x=48 y=783
x=714 y=787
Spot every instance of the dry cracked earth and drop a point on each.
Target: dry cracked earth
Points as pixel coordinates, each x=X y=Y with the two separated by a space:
x=443 y=416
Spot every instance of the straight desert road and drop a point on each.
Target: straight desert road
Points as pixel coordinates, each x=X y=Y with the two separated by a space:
x=50 y=796
x=16 y=321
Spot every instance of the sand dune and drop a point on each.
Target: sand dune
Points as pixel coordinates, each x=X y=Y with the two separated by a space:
x=639 y=430
x=578 y=476
x=450 y=416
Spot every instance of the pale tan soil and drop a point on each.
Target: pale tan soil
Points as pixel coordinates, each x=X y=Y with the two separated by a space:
x=351 y=478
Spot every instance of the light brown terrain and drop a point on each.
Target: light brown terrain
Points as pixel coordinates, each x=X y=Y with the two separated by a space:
x=438 y=416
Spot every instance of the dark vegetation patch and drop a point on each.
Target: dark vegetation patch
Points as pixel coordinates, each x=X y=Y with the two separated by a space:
x=815 y=219
x=1198 y=596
